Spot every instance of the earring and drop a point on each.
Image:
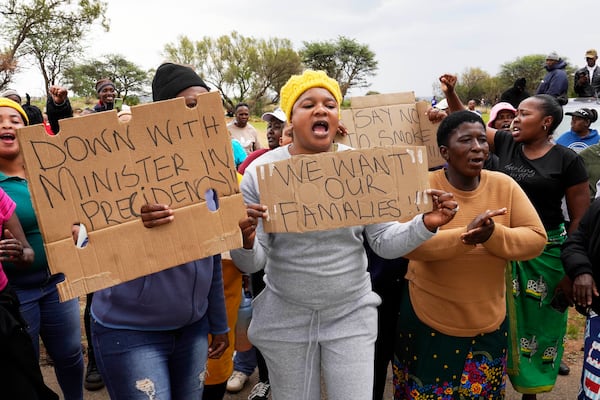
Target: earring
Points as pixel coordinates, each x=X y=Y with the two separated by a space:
x=545 y=127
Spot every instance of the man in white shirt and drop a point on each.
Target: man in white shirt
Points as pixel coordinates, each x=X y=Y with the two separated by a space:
x=587 y=79
x=241 y=130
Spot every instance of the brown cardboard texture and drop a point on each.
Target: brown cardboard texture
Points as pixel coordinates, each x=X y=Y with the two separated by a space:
x=99 y=172
x=393 y=119
x=345 y=188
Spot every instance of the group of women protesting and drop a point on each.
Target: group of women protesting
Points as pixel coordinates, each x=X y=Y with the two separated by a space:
x=478 y=304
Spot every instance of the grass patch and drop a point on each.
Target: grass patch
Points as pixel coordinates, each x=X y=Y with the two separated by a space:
x=575 y=325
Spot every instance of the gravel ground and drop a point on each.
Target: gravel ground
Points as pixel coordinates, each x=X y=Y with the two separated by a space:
x=566 y=386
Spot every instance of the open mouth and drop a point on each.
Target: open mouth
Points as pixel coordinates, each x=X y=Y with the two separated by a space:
x=7 y=137
x=477 y=161
x=321 y=128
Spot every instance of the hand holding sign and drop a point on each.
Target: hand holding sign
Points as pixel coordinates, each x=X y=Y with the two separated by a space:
x=248 y=225
x=156 y=215
x=444 y=209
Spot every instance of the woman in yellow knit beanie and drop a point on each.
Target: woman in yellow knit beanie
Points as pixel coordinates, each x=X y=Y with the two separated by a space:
x=300 y=95
x=299 y=84
x=317 y=315
x=6 y=102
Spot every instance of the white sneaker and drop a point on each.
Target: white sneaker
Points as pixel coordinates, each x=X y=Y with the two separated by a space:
x=236 y=381
x=260 y=391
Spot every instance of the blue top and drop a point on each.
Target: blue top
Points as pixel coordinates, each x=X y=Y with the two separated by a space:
x=573 y=141
x=239 y=154
x=166 y=300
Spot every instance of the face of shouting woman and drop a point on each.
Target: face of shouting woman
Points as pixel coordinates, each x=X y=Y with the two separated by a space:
x=10 y=121
x=504 y=119
x=466 y=152
x=530 y=123
x=315 y=120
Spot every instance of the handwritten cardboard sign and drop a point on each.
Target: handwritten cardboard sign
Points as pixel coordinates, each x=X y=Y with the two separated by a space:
x=346 y=188
x=393 y=119
x=99 y=172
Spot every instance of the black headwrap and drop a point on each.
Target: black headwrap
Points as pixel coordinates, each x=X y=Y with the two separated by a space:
x=452 y=121
x=170 y=79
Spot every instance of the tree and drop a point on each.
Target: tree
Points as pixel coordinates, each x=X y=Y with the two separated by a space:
x=127 y=76
x=345 y=60
x=129 y=79
x=277 y=61
x=530 y=67
x=49 y=31
x=472 y=84
x=243 y=69
x=492 y=90
x=7 y=68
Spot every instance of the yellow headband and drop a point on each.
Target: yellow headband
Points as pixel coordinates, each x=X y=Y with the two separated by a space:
x=298 y=84
x=6 y=102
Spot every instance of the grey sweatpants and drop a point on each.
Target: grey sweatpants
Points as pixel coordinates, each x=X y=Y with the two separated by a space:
x=300 y=344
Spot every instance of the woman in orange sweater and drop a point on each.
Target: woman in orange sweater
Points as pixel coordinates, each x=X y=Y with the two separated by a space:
x=452 y=324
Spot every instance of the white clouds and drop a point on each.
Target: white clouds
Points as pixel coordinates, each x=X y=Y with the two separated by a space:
x=414 y=41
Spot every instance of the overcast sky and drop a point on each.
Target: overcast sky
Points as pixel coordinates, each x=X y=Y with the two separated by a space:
x=413 y=41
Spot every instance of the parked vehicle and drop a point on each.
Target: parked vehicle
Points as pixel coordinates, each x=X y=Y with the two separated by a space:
x=573 y=105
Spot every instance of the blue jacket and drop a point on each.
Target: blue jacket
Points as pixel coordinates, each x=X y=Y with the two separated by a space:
x=166 y=300
x=555 y=83
x=571 y=140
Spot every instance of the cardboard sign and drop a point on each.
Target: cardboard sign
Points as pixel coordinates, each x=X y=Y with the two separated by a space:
x=390 y=120
x=345 y=188
x=99 y=172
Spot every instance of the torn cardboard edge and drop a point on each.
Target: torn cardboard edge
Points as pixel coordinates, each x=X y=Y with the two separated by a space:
x=167 y=152
x=391 y=119
x=345 y=188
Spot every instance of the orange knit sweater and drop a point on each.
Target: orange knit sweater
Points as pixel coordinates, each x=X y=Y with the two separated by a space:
x=459 y=289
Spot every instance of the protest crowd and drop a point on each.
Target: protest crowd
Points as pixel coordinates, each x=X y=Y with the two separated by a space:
x=445 y=246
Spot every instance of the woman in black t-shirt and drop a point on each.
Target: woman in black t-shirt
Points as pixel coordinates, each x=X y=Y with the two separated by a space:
x=546 y=172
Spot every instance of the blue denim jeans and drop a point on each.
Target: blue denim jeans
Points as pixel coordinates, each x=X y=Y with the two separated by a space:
x=165 y=365
x=245 y=361
x=58 y=324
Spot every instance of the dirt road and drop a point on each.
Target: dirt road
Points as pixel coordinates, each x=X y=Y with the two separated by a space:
x=566 y=386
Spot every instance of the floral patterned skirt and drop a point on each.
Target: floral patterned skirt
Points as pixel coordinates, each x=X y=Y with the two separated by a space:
x=431 y=365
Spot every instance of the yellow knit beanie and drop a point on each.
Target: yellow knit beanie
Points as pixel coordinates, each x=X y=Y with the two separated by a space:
x=6 y=102
x=298 y=84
